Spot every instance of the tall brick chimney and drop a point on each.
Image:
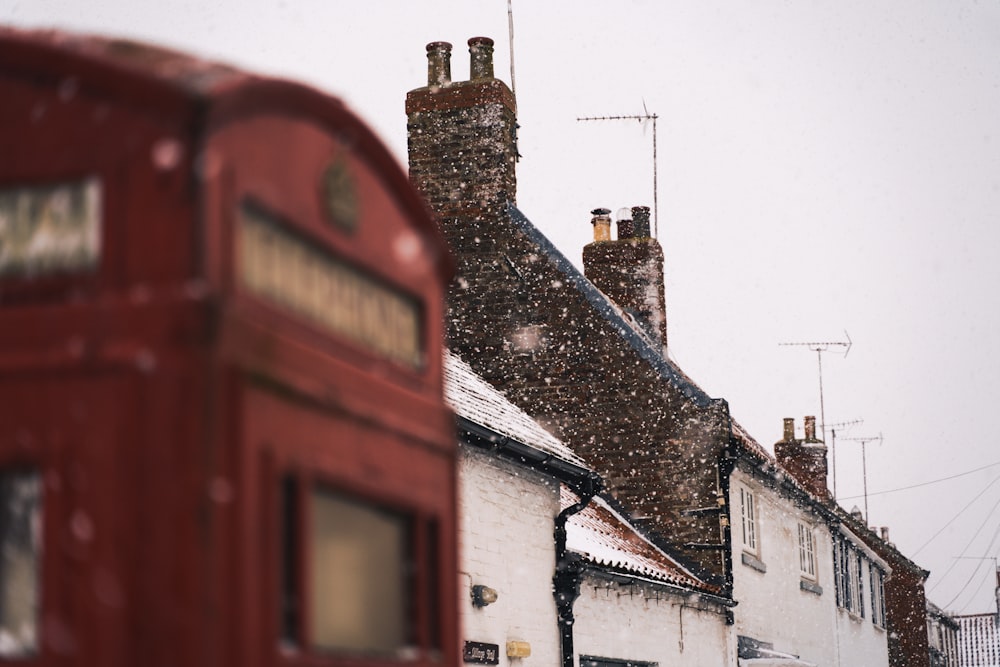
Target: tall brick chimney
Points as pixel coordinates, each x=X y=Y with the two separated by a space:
x=629 y=271
x=461 y=137
x=805 y=459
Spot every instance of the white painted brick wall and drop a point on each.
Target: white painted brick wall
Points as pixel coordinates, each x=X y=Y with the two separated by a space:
x=773 y=608
x=636 y=623
x=506 y=519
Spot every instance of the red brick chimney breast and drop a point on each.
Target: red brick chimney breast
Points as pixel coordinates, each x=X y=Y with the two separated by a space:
x=629 y=271
x=804 y=460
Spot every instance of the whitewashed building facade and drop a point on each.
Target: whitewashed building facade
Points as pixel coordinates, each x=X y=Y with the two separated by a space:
x=632 y=604
x=809 y=591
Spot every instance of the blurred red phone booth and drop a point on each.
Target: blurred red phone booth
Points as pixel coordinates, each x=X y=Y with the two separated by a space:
x=223 y=439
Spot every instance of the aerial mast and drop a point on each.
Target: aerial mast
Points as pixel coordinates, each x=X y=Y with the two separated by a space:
x=833 y=446
x=864 y=464
x=643 y=118
x=819 y=348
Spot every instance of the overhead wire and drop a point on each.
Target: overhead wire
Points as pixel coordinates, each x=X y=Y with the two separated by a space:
x=933 y=481
x=975 y=533
x=952 y=519
x=978 y=586
x=996 y=533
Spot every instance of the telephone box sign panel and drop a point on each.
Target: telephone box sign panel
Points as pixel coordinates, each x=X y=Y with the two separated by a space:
x=50 y=229
x=284 y=270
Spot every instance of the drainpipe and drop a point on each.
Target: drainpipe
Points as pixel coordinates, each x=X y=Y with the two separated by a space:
x=569 y=568
x=726 y=465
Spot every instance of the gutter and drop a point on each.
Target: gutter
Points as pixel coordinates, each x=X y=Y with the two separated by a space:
x=483 y=437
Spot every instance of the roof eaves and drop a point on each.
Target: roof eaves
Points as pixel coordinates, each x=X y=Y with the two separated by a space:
x=483 y=437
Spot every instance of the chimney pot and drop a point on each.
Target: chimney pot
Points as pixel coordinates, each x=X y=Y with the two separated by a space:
x=789 y=430
x=480 y=58
x=640 y=221
x=810 y=428
x=626 y=229
x=438 y=64
x=601 y=221
x=884 y=530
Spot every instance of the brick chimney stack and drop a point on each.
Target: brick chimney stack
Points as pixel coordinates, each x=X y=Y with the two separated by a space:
x=461 y=138
x=805 y=459
x=629 y=271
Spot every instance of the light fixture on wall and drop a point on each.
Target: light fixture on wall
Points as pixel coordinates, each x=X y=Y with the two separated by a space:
x=517 y=649
x=483 y=595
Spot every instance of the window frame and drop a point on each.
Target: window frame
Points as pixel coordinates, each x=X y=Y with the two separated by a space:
x=807 y=552
x=424 y=638
x=877 y=577
x=749 y=520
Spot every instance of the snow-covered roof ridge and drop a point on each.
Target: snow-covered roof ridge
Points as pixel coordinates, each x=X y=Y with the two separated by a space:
x=475 y=399
x=603 y=536
x=749 y=442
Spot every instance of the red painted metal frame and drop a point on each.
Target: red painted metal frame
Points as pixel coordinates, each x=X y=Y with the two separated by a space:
x=163 y=403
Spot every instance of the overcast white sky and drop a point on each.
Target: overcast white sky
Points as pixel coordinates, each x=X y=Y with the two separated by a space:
x=824 y=166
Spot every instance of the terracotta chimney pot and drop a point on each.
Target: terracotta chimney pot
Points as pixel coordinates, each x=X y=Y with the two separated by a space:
x=438 y=64
x=789 y=430
x=480 y=58
x=601 y=221
x=810 y=428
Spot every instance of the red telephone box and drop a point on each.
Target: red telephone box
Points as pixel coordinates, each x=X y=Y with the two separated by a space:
x=223 y=439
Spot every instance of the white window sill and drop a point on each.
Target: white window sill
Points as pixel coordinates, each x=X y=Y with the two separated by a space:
x=810 y=586
x=753 y=562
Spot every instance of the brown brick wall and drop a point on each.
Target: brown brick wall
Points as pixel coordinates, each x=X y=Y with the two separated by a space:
x=524 y=323
x=630 y=273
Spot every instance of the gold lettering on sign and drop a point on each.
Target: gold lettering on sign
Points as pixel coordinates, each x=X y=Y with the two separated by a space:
x=50 y=229
x=285 y=271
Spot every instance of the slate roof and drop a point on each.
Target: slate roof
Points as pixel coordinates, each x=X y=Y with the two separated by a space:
x=639 y=342
x=605 y=538
x=478 y=401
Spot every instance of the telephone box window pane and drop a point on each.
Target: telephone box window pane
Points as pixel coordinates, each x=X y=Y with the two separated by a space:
x=20 y=559
x=49 y=229
x=360 y=562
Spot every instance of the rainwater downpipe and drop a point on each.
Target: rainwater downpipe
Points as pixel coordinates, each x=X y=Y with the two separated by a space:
x=569 y=570
x=726 y=465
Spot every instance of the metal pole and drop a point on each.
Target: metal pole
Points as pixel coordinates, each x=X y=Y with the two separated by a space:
x=833 y=456
x=510 y=32
x=656 y=198
x=822 y=409
x=864 y=476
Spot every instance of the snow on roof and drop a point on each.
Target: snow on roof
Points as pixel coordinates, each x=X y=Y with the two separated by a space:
x=478 y=401
x=749 y=443
x=604 y=537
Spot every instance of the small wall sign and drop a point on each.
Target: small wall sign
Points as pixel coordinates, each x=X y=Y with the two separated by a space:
x=480 y=653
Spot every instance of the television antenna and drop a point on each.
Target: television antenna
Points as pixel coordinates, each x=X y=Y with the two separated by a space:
x=644 y=119
x=833 y=445
x=819 y=348
x=864 y=464
x=510 y=34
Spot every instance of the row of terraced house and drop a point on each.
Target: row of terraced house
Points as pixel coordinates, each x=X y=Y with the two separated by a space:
x=613 y=513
